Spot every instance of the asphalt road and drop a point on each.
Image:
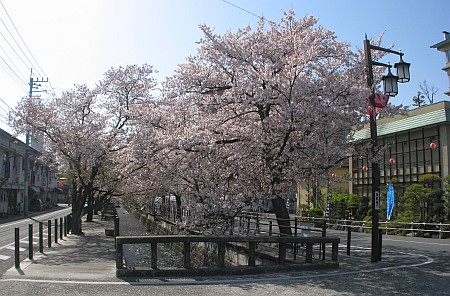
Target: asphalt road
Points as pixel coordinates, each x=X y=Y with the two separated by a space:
x=410 y=266
x=7 y=234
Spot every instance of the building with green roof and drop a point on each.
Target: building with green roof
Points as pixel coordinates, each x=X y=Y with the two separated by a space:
x=412 y=145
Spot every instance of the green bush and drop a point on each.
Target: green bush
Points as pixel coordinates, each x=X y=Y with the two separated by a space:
x=315 y=212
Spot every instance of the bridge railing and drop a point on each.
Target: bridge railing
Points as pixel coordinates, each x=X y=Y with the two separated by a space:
x=222 y=242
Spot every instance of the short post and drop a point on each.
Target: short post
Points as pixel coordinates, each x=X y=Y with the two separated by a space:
x=309 y=248
x=154 y=260
x=281 y=253
x=61 y=228
x=30 y=241
x=69 y=223
x=56 y=231
x=251 y=253
x=270 y=227
x=334 y=251
x=257 y=224
x=187 y=254
x=16 y=248
x=41 y=237
x=119 y=254
x=380 y=243
x=116 y=226
x=65 y=225
x=49 y=233
x=324 y=234
x=221 y=254
x=349 y=239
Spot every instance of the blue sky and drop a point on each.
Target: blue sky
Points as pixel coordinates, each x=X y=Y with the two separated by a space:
x=75 y=42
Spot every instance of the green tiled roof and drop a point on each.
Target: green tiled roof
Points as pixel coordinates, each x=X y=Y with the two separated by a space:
x=438 y=116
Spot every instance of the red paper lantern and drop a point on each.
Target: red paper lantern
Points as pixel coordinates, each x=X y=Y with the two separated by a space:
x=333 y=176
x=433 y=145
x=365 y=168
x=392 y=161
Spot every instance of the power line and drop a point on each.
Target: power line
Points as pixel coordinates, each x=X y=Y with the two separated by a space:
x=6 y=105
x=11 y=73
x=247 y=11
x=9 y=59
x=20 y=36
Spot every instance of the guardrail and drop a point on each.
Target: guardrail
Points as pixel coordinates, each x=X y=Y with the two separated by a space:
x=222 y=243
x=254 y=223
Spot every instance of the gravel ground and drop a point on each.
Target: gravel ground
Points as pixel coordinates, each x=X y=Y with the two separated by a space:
x=138 y=255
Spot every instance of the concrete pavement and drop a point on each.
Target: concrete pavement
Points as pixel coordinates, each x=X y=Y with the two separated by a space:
x=85 y=265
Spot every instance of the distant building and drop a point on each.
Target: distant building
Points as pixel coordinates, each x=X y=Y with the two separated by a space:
x=42 y=182
x=444 y=46
x=413 y=145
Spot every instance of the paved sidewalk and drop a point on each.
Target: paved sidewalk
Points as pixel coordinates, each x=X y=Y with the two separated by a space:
x=90 y=257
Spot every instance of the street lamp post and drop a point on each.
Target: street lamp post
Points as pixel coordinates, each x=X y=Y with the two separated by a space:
x=390 y=89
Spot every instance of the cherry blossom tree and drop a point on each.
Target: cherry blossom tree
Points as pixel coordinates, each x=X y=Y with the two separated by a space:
x=85 y=128
x=273 y=105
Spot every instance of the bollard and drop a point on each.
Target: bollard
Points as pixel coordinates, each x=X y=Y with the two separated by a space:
x=41 y=237
x=49 y=233
x=116 y=226
x=65 y=225
x=61 y=228
x=30 y=241
x=270 y=228
x=380 y=235
x=349 y=239
x=56 y=231
x=324 y=234
x=16 y=248
x=69 y=223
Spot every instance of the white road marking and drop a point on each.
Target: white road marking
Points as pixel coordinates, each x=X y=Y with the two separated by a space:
x=3 y=257
x=13 y=248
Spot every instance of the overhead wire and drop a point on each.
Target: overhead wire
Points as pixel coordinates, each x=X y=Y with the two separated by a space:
x=39 y=68
x=30 y=63
x=247 y=11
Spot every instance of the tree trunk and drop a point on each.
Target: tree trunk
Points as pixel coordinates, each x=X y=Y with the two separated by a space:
x=282 y=215
x=78 y=202
x=76 y=217
x=90 y=209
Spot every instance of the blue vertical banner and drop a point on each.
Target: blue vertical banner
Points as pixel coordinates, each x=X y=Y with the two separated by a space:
x=390 y=200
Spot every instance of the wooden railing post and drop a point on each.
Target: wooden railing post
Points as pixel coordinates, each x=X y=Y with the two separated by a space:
x=187 y=255
x=221 y=254
x=154 y=260
x=251 y=253
x=281 y=253
x=309 y=246
x=334 y=251
x=119 y=254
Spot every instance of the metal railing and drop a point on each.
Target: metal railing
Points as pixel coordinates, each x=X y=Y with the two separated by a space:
x=306 y=226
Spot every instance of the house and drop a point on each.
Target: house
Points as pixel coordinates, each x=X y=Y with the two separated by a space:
x=15 y=189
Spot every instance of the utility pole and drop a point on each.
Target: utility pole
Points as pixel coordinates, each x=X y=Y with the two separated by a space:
x=27 y=144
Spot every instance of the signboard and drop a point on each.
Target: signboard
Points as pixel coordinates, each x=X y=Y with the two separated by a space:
x=377 y=200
